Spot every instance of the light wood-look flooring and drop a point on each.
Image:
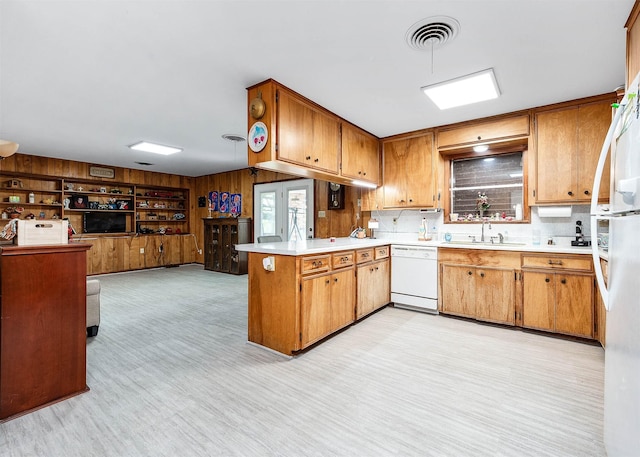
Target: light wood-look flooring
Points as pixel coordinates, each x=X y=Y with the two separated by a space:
x=171 y=374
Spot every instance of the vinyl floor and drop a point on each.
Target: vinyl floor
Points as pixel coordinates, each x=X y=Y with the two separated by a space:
x=171 y=374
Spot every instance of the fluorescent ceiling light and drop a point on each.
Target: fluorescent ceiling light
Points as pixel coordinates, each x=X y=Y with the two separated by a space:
x=473 y=88
x=155 y=148
x=481 y=148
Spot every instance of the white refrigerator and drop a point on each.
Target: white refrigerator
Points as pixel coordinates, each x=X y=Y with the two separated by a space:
x=622 y=298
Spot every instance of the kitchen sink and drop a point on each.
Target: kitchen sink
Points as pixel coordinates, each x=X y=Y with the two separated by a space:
x=485 y=243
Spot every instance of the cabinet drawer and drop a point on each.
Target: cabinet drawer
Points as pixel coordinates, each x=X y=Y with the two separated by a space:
x=381 y=252
x=582 y=263
x=485 y=131
x=364 y=255
x=342 y=259
x=315 y=264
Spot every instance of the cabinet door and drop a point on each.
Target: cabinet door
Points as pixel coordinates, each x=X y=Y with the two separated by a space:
x=593 y=124
x=343 y=298
x=372 y=199
x=574 y=304
x=360 y=154
x=557 y=145
x=458 y=290
x=365 y=290
x=225 y=248
x=306 y=135
x=408 y=172
x=382 y=284
x=538 y=310
x=495 y=295
x=315 y=308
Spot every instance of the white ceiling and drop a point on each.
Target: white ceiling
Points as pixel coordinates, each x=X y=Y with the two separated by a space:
x=81 y=80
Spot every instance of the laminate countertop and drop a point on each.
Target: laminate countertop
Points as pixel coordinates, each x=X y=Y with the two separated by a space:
x=322 y=245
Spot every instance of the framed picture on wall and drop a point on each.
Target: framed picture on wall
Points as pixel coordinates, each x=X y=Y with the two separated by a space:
x=79 y=202
x=213 y=200
x=236 y=204
x=223 y=204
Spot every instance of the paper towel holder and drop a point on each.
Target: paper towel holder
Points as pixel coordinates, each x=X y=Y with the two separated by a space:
x=555 y=211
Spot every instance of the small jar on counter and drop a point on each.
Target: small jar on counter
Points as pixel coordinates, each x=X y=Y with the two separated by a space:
x=32 y=197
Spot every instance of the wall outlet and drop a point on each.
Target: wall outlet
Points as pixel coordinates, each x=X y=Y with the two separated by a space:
x=141 y=250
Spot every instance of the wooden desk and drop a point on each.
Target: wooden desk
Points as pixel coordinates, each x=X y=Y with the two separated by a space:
x=42 y=326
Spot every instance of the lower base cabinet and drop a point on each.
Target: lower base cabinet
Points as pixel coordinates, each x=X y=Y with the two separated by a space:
x=558 y=302
x=327 y=304
x=374 y=289
x=486 y=292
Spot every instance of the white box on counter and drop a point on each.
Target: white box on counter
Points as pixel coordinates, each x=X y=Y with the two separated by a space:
x=32 y=232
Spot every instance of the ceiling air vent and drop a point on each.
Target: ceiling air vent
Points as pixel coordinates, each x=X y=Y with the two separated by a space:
x=432 y=32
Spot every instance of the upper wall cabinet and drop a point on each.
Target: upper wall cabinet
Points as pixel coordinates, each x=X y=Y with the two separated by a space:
x=291 y=134
x=408 y=172
x=360 y=154
x=483 y=132
x=305 y=134
x=568 y=143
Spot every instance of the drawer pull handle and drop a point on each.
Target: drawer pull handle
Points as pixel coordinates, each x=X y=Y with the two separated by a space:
x=555 y=262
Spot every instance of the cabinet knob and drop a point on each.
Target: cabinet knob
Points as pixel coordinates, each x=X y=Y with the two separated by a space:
x=359 y=172
x=546 y=280
x=586 y=192
x=335 y=279
x=364 y=173
x=563 y=281
x=401 y=201
x=411 y=200
x=326 y=281
x=570 y=193
x=479 y=137
x=469 y=273
x=482 y=274
x=307 y=158
x=316 y=160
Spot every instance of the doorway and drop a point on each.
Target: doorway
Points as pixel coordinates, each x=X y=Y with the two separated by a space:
x=284 y=208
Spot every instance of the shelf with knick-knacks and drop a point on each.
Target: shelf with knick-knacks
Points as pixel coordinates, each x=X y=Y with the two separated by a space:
x=162 y=210
x=30 y=196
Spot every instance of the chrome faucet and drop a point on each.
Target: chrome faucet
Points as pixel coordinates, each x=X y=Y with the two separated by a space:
x=482 y=234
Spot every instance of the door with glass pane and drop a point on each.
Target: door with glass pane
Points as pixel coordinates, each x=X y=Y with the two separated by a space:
x=285 y=209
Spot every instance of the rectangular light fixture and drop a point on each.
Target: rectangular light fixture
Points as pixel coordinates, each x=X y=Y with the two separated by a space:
x=155 y=148
x=473 y=88
x=359 y=183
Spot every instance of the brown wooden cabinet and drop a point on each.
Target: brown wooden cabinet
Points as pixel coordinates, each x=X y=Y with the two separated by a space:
x=409 y=172
x=373 y=280
x=305 y=139
x=568 y=142
x=479 y=284
x=328 y=299
x=483 y=132
x=305 y=134
x=304 y=299
x=558 y=294
x=42 y=326
x=360 y=154
x=220 y=237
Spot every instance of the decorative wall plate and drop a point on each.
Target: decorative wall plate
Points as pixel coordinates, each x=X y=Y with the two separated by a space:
x=258 y=136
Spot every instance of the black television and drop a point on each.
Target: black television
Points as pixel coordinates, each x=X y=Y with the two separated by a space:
x=104 y=222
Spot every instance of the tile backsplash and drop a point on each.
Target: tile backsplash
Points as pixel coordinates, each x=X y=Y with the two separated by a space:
x=403 y=225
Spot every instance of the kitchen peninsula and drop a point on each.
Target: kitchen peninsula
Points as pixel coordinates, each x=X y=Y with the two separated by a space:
x=301 y=292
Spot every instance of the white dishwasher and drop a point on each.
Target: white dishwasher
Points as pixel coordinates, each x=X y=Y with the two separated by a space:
x=414 y=277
